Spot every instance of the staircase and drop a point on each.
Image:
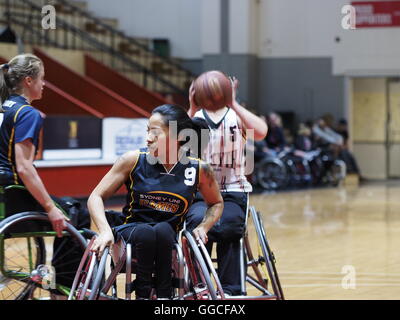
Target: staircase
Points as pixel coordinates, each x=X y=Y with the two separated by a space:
x=77 y=28
x=89 y=91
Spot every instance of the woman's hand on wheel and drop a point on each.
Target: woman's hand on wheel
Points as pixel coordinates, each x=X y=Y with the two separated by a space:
x=58 y=220
x=105 y=239
x=200 y=233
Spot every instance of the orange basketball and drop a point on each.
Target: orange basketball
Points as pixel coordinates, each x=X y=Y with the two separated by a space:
x=213 y=90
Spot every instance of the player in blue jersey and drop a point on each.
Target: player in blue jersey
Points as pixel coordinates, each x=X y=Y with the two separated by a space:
x=21 y=82
x=161 y=181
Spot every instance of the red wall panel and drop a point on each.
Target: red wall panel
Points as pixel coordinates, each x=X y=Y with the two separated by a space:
x=122 y=85
x=89 y=91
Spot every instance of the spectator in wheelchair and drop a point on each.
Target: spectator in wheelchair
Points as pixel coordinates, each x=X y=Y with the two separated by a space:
x=345 y=154
x=161 y=181
x=326 y=136
x=227 y=124
x=303 y=139
x=275 y=138
x=21 y=82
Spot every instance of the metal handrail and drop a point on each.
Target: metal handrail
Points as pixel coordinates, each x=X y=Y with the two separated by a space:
x=132 y=40
x=83 y=35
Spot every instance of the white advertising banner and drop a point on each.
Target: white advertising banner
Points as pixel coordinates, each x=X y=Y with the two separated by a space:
x=121 y=135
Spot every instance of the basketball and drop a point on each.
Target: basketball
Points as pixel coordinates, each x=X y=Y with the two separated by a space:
x=213 y=90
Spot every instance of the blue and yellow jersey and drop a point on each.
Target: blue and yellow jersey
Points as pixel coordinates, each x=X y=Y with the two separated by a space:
x=21 y=121
x=156 y=195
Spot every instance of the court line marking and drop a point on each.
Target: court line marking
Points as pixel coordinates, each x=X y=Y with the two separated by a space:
x=338 y=273
x=309 y=285
x=337 y=278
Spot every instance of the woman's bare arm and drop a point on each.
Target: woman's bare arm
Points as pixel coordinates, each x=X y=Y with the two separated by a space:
x=24 y=156
x=110 y=183
x=209 y=189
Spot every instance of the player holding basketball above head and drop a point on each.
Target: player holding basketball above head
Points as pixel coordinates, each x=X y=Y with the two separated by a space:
x=228 y=122
x=21 y=82
x=161 y=182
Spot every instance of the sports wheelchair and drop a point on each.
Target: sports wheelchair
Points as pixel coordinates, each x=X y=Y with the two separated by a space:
x=257 y=263
x=193 y=272
x=34 y=263
x=193 y=276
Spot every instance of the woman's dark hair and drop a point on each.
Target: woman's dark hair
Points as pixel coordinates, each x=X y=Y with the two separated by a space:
x=172 y=112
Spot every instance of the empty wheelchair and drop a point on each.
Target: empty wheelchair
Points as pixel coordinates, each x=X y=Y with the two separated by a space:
x=34 y=263
x=193 y=274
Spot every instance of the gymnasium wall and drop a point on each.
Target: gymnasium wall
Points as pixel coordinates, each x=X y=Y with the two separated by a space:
x=177 y=20
x=274 y=47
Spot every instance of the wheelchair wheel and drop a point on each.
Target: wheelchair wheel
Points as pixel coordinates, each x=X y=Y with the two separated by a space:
x=98 y=278
x=264 y=264
x=200 y=285
x=337 y=172
x=271 y=174
x=89 y=276
x=25 y=271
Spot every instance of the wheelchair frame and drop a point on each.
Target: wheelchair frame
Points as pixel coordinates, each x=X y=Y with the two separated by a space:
x=265 y=258
x=208 y=283
x=193 y=273
x=191 y=256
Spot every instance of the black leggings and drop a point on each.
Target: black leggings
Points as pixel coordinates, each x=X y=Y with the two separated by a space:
x=152 y=246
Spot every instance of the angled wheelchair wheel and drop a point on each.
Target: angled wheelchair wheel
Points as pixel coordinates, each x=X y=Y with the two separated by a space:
x=90 y=275
x=32 y=266
x=271 y=174
x=337 y=172
x=201 y=286
x=262 y=261
x=83 y=274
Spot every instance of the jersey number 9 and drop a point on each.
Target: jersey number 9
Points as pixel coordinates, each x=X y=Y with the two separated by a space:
x=190 y=176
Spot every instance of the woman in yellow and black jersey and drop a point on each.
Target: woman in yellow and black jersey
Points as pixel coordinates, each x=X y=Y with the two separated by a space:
x=157 y=194
x=21 y=82
x=161 y=181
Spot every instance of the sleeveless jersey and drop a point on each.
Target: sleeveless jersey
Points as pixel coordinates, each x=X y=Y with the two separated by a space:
x=21 y=121
x=225 y=152
x=156 y=195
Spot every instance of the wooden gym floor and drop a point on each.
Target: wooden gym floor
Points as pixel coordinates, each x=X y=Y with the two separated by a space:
x=336 y=243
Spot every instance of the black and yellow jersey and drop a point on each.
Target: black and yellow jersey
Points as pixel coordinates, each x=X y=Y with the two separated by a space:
x=156 y=195
x=21 y=121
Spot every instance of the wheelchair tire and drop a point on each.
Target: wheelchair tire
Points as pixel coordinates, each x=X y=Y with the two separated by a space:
x=84 y=275
x=98 y=279
x=201 y=288
x=25 y=289
x=272 y=174
x=337 y=172
x=267 y=255
x=213 y=272
x=29 y=267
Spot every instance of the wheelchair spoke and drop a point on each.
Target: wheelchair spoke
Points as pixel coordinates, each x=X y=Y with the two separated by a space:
x=25 y=253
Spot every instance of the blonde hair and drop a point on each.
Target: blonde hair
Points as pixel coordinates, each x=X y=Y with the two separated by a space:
x=304 y=130
x=16 y=70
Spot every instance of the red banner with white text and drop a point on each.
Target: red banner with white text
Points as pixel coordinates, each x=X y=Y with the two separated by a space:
x=375 y=14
